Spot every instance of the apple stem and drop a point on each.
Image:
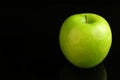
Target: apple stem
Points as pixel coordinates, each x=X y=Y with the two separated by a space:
x=86 y=19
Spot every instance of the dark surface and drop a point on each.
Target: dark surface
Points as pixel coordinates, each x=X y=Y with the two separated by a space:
x=29 y=41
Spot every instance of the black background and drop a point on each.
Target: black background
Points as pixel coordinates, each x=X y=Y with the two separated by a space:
x=21 y=41
x=29 y=38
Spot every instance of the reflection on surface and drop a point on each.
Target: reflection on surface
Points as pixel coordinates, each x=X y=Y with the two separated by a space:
x=72 y=73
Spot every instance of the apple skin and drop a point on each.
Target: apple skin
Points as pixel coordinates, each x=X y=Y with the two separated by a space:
x=85 y=39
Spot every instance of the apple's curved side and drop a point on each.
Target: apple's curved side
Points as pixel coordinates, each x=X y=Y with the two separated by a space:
x=85 y=45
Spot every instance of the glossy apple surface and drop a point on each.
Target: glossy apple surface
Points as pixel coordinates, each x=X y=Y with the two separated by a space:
x=85 y=39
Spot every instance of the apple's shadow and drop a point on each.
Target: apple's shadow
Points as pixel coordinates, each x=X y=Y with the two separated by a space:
x=68 y=72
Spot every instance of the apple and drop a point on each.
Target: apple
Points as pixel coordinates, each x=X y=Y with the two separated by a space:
x=85 y=39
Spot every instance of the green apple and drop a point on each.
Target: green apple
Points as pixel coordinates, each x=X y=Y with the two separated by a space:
x=85 y=39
